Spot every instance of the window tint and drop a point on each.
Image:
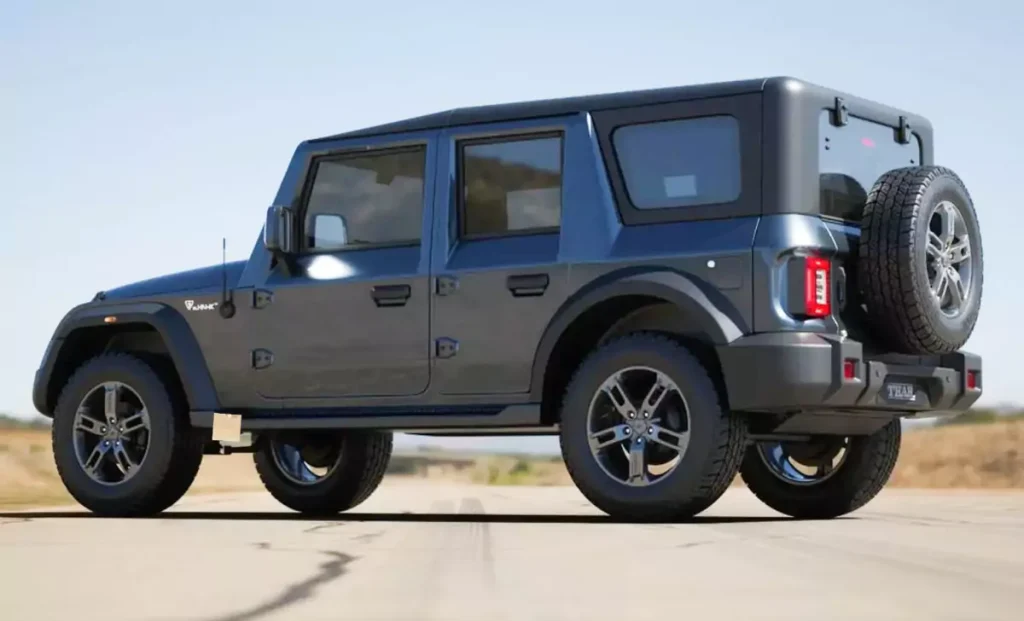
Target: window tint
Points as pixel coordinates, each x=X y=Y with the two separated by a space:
x=680 y=163
x=851 y=158
x=511 y=186
x=365 y=200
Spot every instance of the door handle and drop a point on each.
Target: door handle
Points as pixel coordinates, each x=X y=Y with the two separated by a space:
x=523 y=285
x=391 y=295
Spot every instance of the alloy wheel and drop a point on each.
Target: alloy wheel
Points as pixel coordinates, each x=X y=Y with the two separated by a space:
x=638 y=426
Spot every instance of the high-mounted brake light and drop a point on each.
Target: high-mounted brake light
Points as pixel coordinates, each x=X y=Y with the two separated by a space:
x=817 y=287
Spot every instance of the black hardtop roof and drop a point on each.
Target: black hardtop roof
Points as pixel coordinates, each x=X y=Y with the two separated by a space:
x=568 y=105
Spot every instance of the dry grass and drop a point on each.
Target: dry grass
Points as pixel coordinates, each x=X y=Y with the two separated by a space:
x=957 y=456
x=989 y=455
x=29 y=477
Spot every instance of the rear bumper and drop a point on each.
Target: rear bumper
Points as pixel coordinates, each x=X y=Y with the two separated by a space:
x=794 y=371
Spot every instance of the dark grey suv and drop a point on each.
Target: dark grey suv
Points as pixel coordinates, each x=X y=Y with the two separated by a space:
x=758 y=277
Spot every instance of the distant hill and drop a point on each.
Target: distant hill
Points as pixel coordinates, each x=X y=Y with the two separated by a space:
x=976 y=416
x=14 y=422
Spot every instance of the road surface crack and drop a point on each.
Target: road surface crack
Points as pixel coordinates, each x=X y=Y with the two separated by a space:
x=328 y=571
x=14 y=521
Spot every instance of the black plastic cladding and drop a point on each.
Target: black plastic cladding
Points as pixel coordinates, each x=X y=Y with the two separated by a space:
x=177 y=336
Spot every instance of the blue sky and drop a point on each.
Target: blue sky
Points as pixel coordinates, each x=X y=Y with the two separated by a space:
x=133 y=135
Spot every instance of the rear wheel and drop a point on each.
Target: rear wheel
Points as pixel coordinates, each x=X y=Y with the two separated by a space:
x=323 y=473
x=643 y=433
x=825 y=478
x=121 y=441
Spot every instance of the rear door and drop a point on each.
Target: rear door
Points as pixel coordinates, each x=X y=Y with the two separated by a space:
x=350 y=316
x=499 y=275
x=851 y=158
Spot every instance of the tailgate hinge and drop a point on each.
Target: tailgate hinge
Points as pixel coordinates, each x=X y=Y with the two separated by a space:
x=840 y=114
x=904 y=132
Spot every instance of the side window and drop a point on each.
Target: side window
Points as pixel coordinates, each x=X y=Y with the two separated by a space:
x=365 y=200
x=680 y=163
x=510 y=186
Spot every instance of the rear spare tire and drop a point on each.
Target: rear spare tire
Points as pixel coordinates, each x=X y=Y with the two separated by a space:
x=920 y=260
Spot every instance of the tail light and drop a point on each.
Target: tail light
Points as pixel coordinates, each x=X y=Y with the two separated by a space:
x=810 y=287
x=817 y=287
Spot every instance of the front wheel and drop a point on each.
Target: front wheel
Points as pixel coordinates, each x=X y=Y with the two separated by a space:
x=121 y=439
x=824 y=478
x=322 y=473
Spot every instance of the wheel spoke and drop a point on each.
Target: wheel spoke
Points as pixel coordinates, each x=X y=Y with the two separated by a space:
x=88 y=424
x=124 y=461
x=672 y=439
x=948 y=224
x=960 y=252
x=607 y=437
x=940 y=284
x=613 y=388
x=95 y=460
x=956 y=287
x=825 y=469
x=111 y=396
x=655 y=396
x=637 y=463
x=935 y=246
x=135 y=422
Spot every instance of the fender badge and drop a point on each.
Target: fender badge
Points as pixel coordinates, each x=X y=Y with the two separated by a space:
x=192 y=305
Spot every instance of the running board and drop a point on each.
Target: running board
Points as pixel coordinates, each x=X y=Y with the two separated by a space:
x=460 y=420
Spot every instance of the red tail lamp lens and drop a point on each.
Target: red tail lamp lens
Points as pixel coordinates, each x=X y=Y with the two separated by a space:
x=818 y=287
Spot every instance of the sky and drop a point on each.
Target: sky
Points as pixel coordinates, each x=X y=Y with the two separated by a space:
x=135 y=135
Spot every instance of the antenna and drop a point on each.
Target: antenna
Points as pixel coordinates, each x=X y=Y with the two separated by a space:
x=227 y=303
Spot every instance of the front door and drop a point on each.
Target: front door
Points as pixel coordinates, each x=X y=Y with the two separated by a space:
x=350 y=316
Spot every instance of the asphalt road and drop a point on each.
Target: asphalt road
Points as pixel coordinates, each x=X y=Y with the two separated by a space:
x=422 y=551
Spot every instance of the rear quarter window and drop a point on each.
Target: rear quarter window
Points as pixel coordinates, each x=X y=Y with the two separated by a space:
x=680 y=163
x=852 y=157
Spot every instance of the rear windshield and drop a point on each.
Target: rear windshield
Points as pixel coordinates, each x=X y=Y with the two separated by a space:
x=851 y=158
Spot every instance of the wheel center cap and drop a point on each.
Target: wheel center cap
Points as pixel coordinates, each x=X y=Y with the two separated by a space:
x=639 y=426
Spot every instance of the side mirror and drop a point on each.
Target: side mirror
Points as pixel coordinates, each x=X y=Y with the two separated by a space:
x=279 y=232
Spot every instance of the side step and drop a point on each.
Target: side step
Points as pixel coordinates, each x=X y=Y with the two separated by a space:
x=465 y=420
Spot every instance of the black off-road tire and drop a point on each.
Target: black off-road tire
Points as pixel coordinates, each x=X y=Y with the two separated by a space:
x=710 y=461
x=859 y=478
x=891 y=267
x=364 y=460
x=173 y=456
